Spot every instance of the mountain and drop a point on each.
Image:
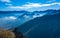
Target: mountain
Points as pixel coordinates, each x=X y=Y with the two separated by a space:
x=47 y=26
x=12 y=19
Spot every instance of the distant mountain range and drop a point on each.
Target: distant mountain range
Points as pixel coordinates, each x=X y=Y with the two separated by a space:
x=12 y=19
x=26 y=13
x=47 y=26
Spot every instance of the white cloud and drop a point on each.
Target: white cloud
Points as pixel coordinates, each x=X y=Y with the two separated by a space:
x=32 y=6
x=40 y=15
x=5 y=1
x=27 y=17
x=10 y=18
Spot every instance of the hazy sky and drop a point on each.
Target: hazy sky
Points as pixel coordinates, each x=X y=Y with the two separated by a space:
x=28 y=5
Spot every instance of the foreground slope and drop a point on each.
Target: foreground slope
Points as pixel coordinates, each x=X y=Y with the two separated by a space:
x=42 y=27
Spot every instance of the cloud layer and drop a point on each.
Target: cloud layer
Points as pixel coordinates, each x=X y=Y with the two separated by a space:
x=33 y=7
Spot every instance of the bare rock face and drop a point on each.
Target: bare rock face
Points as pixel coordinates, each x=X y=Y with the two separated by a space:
x=6 y=34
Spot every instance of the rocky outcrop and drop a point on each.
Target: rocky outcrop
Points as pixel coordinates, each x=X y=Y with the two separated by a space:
x=6 y=34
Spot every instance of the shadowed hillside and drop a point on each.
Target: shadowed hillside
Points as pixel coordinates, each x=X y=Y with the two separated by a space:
x=47 y=26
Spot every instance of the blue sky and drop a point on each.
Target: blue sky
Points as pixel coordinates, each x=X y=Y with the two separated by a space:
x=29 y=5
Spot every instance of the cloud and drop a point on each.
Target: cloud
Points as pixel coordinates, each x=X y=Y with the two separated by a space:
x=40 y=15
x=5 y=1
x=26 y=16
x=32 y=6
x=8 y=18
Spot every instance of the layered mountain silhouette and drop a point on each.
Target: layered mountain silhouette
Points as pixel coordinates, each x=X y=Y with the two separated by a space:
x=47 y=26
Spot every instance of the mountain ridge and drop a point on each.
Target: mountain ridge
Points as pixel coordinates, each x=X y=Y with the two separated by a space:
x=47 y=27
